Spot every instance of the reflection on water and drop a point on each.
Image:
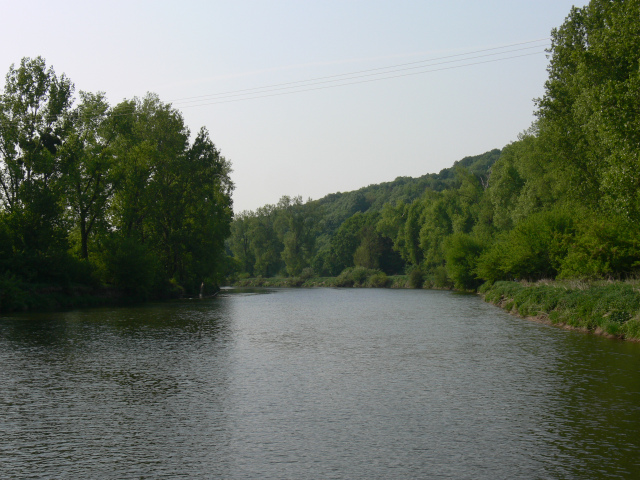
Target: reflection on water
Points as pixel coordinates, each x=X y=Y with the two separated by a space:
x=321 y=383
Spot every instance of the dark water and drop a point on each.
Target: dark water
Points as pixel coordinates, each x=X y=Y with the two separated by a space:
x=323 y=383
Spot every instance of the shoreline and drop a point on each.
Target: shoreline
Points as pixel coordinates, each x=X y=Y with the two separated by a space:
x=605 y=308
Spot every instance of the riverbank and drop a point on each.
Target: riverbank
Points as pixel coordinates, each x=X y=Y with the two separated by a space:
x=602 y=307
x=18 y=296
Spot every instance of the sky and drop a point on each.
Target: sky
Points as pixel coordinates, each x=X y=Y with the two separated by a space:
x=438 y=79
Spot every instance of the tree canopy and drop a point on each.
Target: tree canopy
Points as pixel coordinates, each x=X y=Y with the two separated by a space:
x=115 y=195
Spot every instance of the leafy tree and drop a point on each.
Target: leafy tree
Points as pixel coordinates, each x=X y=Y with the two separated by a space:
x=602 y=247
x=265 y=244
x=347 y=239
x=533 y=250
x=33 y=126
x=461 y=252
x=240 y=241
x=297 y=229
x=88 y=166
x=203 y=212
x=589 y=113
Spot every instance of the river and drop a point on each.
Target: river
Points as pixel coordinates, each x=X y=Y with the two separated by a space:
x=314 y=383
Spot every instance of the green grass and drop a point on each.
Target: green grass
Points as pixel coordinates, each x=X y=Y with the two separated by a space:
x=612 y=308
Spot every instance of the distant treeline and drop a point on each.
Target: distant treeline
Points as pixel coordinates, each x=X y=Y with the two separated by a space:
x=563 y=201
x=108 y=196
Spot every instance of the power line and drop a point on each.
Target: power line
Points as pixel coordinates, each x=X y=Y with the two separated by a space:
x=362 y=81
x=446 y=57
x=352 y=78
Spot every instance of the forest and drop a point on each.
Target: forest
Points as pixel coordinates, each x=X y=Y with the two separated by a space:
x=105 y=196
x=560 y=202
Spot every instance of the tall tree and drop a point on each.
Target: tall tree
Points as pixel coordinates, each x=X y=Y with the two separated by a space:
x=89 y=166
x=589 y=115
x=33 y=125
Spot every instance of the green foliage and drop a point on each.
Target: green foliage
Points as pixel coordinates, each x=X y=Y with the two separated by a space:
x=602 y=248
x=534 y=249
x=613 y=308
x=74 y=179
x=360 y=277
x=13 y=295
x=440 y=278
x=416 y=278
x=378 y=280
x=307 y=273
x=589 y=113
x=461 y=253
x=129 y=265
x=377 y=227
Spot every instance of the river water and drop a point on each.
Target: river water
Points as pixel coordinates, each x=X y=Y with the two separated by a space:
x=314 y=383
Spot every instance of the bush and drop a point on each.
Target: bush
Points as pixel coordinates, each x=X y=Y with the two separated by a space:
x=416 y=278
x=533 y=250
x=378 y=280
x=360 y=275
x=13 y=295
x=130 y=266
x=441 y=279
x=345 y=279
x=461 y=252
x=354 y=277
x=307 y=273
x=602 y=248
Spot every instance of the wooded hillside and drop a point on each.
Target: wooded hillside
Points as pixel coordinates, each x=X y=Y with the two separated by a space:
x=562 y=201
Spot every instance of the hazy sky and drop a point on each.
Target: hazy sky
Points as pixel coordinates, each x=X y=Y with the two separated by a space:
x=318 y=141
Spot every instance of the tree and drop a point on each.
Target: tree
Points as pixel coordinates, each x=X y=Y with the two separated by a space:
x=265 y=244
x=88 y=165
x=240 y=240
x=33 y=126
x=589 y=114
x=203 y=212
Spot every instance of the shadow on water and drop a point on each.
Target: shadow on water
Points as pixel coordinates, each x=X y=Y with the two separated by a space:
x=594 y=419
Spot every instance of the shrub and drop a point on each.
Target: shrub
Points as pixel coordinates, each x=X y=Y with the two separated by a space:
x=416 y=278
x=461 y=252
x=130 y=266
x=602 y=247
x=345 y=279
x=533 y=250
x=360 y=275
x=307 y=273
x=378 y=280
x=441 y=279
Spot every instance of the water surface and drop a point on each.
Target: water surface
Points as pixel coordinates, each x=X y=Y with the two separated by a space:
x=314 y=383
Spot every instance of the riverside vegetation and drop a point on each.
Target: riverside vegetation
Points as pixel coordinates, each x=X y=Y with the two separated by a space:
x=560 y=203
x=101 y=204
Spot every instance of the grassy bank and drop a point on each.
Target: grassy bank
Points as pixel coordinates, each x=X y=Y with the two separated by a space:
x=607 y=308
